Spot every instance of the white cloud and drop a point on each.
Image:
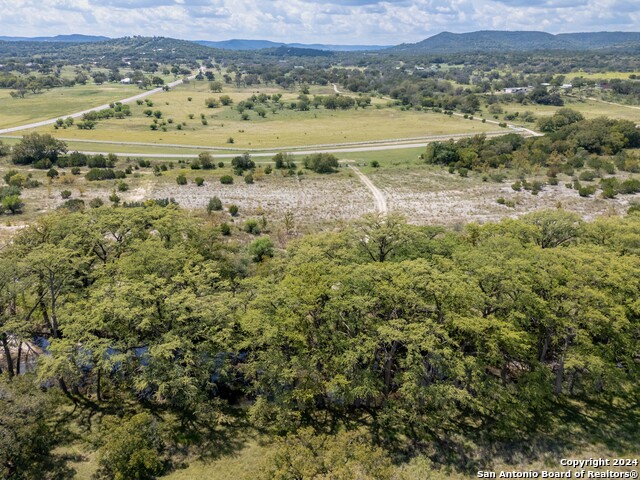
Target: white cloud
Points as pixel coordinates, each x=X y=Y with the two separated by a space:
x=327 y=21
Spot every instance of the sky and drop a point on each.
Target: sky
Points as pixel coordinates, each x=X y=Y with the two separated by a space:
x=309 y=21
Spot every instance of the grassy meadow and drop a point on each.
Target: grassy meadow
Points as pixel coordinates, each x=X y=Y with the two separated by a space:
x=280 y=128
x=58 y=102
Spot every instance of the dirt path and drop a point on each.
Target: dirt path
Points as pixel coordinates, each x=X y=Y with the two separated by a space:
x=43 y=123
x=608 y=103
x=378 y=196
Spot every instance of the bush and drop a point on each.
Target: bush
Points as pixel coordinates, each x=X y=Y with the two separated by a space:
x=248 y=178
x=233 y=210
x=73 y=205
x=587 y=191
x=65 y=194
x=260 y=249
x=181 y=179
x=96 y=202
x=215 y=205
x=225 y=229
x=52 y=173
x=199 y=181
x=122 y=187
x=75 y=170
x=100 y=174
x=226 y=179
x=588 y=176
x=284 y=160
x=321 y=162
x=243 y=162
x=12 y=203
x=206 y=161
x=132 y=449
x=375 y=164
x=252 y=226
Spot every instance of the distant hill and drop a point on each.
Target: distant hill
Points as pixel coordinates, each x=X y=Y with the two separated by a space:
x=135 y=50
x=75 y=38
x=239 y=44
x=504 y=41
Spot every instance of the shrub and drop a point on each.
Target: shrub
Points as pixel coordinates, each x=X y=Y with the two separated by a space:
x=132 y=449
x=215 y=205
x=248 y=178
x=375 y=164
x=122 y=187
x=73 y=205
x=12 y=203
x=233 y=210
x=225 y=229
x=260 y=249
x=252 y=226
x=321 y=162
x=75 y=170
x=243 y=162
x=181 y=179
x=65 y=194
x=100 y=174
x=52 y=173
x=588 y=176
x=226 y=179
x=587 y=191
x=199 y=181
x=96 y=202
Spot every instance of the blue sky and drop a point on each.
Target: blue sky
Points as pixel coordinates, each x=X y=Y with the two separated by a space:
x=329 y=21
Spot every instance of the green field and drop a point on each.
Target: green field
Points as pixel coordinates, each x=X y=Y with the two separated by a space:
x=58 y=102
x=280 y=128
x=589 y=108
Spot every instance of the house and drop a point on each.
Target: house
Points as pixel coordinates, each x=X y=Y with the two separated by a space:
x=516 y=90
x=126 y=81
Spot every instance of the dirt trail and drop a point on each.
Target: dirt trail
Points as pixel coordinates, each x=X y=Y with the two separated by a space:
x=380 y=201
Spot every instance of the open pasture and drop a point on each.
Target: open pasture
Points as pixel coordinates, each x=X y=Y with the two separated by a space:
x=281 y=127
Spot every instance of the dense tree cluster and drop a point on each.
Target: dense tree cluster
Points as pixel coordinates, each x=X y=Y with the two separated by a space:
x=404 y=333
x=571 y=142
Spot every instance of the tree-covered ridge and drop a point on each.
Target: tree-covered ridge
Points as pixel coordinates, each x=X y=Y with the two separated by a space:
x=410 y=333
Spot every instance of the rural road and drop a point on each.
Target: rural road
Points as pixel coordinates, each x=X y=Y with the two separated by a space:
x=378 y=196
x=42 y=123
x=364 y=147
x=634 y=107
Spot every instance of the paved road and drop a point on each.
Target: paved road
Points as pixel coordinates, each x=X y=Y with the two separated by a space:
x=291 y=149
x=372 y=147
x=94 y=109
x=378 y=196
